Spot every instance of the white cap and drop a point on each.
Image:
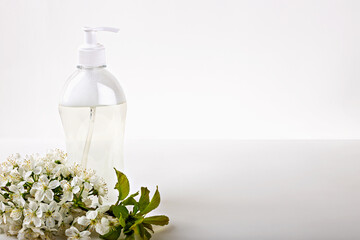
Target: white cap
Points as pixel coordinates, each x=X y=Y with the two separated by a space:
x=91 y=53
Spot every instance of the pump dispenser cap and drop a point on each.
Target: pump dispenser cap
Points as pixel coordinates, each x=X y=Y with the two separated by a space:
x=92 y=53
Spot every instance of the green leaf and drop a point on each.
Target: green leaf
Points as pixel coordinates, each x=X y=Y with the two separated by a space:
x=160 y=220
x=148 y=226
x=144 y=198
x=147 y=234
x=122 y=185
x=119 y=211
x=112 y=235
x=122 y=222
x=137 y=222
x=130 y=200
x=154 y=203
x=130 y=237
x=140 y=230
x=136 y=208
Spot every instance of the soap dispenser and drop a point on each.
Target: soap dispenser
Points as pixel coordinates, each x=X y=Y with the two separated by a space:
x=93 y=110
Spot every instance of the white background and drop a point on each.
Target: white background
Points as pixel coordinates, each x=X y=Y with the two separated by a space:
x=190 y=69
x=200 y=69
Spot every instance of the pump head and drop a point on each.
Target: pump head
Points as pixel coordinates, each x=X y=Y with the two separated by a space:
x=92 y=53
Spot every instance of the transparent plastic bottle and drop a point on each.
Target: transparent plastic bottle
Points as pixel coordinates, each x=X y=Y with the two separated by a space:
x=93 y=110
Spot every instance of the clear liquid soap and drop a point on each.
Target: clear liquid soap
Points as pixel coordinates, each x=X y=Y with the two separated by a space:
x=93 y=111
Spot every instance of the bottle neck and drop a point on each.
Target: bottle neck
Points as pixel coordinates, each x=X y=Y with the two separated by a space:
x=90 y=68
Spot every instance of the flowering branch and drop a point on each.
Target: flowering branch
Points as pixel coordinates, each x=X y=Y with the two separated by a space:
x=44 y=197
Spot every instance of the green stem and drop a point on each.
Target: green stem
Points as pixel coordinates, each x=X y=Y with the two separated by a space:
x=82 y=189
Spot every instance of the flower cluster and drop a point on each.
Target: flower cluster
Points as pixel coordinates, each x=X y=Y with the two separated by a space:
x=42 y=196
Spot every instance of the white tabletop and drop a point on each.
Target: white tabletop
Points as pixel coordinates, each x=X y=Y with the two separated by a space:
x=251 y=190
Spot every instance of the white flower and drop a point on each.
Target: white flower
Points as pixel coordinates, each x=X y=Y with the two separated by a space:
x=57 y=156
x=51 y=214
x=30 y=210
x=37 y=170
x=51 y=168
x=30 y=233
x=63 y=170
x=99 y=185
x=73 y=233
x=3 y=180
x=14 y=229
x=103 y=227
x=88 y=201
x=88 y=175
x=15 y=176
x=16 y=214
x=44 y=188
x=3 y=210
x=36 y=167
x=31 y=164
x=69 y=190
x=5 y=168
x=68 y=219
x=103 y=208
x=65 y=207
x=89 y=220
x=17 y=194
x=33 y=214
x=86 y=190
x=77 y=169
x=25 y=175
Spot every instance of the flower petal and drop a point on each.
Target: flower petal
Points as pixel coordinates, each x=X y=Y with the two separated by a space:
x=39 y=213
x=85 y=235
x=39 y=195
x=54 y=184
x=49 y=194
x=44 y=207
x=37 y=170
x=91 y=214
x=16 y=214
x=36 y=221
x=76 y=189
x=83 y=221
x=27 y=220
x=37 y=186
x=71 y=232
x=27 y=174
x=52 y=206
x=44 y=179
x=50 y=222
x=33 y=206
x=57 y=217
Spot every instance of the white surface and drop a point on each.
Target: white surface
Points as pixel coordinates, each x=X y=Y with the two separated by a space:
x=191 y=68
x=253 y=190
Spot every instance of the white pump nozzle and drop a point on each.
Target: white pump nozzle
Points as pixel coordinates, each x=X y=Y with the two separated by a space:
x=92 y=54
